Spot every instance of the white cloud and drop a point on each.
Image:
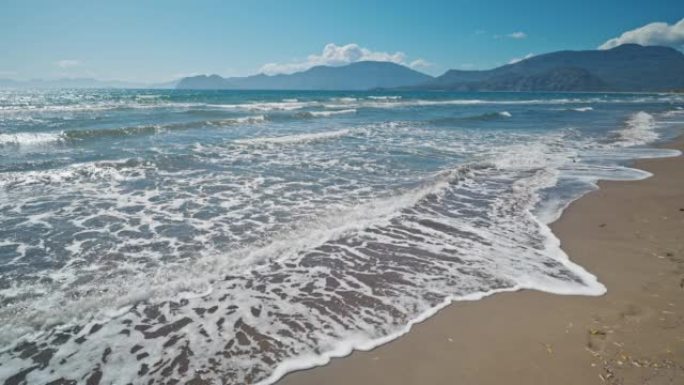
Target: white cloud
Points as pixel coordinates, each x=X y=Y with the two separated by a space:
x=651 y=34
x=68 y=63
x=518 y=59
x=337 y=55
x=517 y=35
x=420 y=63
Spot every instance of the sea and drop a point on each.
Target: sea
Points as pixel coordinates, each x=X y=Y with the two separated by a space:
x=230 y=237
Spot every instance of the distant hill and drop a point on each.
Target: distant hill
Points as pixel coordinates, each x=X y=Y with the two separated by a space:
x=628 y=67
x=204 y=82
x=363 y=75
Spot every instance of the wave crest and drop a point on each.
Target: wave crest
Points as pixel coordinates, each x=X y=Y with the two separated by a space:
x=29 y=139
x=296 y=138
x=639 y=129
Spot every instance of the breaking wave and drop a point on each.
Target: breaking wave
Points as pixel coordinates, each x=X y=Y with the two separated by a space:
x=31 y=139
x=639 y=129
x=480 y=117
x=333 y=113
x=28 y=139
x=297 y=138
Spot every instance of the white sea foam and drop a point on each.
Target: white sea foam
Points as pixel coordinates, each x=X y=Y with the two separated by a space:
x=290 y=105
x=297 y=138
x=676 y=112
x=363 y=343
x=247 y=119
x=333 y=113
x=393 y=97
x=110 y=171
x=639 y=129
x=148 y=97
x=345 y=99
x=28 y=139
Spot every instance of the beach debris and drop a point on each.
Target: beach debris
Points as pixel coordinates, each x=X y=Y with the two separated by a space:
x=603 y=225
x=593 y=352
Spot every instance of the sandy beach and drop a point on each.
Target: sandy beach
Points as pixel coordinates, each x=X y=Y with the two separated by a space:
x=629 y=234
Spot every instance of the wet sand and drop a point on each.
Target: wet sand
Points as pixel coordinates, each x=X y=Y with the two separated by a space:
x=629 y=234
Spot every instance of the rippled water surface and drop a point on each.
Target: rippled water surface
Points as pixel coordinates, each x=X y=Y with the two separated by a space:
x=230 y=237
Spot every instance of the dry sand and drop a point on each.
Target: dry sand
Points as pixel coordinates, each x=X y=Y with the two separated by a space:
x=631 y=235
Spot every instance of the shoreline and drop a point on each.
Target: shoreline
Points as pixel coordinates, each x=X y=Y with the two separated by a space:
x=633 y=334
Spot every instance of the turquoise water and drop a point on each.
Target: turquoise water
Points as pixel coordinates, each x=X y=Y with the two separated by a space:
x=151 y=235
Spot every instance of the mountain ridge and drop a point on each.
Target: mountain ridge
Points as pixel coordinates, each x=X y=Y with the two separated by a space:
x=628 y=67
x=625 y=68
x=356 y=76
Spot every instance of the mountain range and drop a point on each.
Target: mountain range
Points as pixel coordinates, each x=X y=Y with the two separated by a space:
x=625 y=68
x=628 y=67
x=363 y=75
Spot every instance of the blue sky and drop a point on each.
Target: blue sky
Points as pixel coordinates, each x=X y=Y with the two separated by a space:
x=159 y=40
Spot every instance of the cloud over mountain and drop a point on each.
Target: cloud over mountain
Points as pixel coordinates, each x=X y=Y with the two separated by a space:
x=657 y=33
x=518 y=59
x=337 y=55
